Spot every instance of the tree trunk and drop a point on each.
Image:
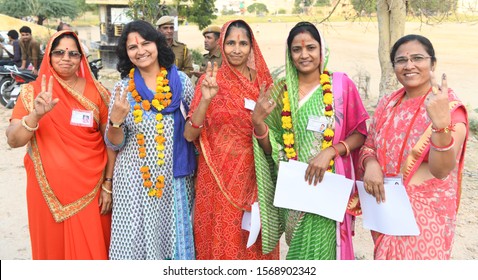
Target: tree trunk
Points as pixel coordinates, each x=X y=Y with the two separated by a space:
x=391 y=15
x=41 y=19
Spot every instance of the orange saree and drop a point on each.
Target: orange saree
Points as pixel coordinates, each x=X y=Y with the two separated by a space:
x=226 y=183
x=64 y=165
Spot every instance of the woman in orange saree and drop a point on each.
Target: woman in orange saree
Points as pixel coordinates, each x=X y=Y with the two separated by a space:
x=418 y=133
x=68 y=166
x=220 y=124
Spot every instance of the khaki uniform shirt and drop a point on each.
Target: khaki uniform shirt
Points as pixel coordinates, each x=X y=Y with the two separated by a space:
x=31 y=52
x=183 y=58
x=213 y=57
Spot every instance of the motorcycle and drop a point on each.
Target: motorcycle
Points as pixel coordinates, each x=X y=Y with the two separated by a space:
x=5 y=81
x=11 y=92
x=95 y=65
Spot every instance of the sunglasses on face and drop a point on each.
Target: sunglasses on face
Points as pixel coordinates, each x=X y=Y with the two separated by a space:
x=61 y=54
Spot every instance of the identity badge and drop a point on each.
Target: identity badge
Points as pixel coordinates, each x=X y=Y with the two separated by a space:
x=82 y=118
x=317 y=124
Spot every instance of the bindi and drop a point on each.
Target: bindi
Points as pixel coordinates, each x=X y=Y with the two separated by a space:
x=303 y=44
x=137 y=41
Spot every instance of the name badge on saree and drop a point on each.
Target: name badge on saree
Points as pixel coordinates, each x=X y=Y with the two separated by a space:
x=249 y=104
x=82 y=118
x=317 y=124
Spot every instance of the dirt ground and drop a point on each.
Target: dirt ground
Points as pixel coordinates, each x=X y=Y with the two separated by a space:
x=353 y=49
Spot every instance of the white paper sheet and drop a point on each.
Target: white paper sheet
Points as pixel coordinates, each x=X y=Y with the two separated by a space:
x=394 y=217
x=329 y=198
x=251 y=221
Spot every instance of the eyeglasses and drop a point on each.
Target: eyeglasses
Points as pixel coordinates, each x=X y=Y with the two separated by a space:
x=416 y=59
x=61 y=54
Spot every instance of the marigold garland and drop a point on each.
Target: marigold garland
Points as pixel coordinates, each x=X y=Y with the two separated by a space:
x=161 y=100
x=286 y=117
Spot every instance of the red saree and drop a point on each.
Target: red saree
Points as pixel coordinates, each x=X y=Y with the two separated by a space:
x=434 y=201
x=64 y=166
x=226 y=182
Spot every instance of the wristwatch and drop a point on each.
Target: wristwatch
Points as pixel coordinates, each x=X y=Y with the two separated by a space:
x=116 y=125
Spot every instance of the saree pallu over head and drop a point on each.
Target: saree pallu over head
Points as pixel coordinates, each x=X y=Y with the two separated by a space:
x=226 y=139
x=69 y=160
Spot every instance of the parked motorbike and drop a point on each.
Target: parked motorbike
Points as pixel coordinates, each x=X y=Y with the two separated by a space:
x=6 y=80
x=96 y=65
x=12 y=91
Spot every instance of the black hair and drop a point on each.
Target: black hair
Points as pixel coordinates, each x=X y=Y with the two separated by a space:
x=413 y=37
x=13 y=34
x=62 y=25
x=25 y=29
x=239 y=24
x=303 y=26
x=148 y=32
x=56 y=42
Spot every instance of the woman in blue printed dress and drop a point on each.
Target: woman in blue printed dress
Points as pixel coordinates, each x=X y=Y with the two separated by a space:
x=152 y=181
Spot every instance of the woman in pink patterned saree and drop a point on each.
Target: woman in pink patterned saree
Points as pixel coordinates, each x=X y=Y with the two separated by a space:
x=418 y=133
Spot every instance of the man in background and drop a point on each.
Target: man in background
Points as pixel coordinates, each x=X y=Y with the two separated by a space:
x=184 y=60
x=211 y=44
x=16 y=56
x=30 y=48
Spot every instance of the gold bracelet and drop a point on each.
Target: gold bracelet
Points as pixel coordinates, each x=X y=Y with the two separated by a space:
x=25 y=125
x=106 y=190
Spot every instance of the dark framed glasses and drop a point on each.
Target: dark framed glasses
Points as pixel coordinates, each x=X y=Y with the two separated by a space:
x=61 y=54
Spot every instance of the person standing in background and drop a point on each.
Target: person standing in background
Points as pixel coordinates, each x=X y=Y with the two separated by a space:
x=183 y=60
x=211 y=44
x=30 y=49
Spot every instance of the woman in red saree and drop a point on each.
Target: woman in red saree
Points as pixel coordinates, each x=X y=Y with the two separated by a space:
x=61 y=117
x=418 y=133
x=220 y=124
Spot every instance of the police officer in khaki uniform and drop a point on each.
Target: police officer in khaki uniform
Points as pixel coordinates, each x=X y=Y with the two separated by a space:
x=184 y=60
x=211 y=44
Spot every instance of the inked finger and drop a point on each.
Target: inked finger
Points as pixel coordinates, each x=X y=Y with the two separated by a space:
x=214 y=70
x=43 y=83
x=444 y=83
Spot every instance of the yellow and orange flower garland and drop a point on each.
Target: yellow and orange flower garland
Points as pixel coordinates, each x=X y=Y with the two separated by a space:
x=161 y=100
x=288 y=135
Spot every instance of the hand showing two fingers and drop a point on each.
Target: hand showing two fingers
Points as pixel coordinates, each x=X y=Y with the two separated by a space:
x=264 y=105
x=121 y=106
x=209 y=87
x=44 y=101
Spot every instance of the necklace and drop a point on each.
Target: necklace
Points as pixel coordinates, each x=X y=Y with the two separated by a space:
x=328 y=135
x=74 y=83
x=161 y=100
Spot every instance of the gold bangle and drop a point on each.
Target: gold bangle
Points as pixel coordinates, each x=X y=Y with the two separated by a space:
x=25 y=125
x=106 y=190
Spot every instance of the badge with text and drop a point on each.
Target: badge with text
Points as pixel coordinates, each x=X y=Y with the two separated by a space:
x=393 y=181
x=317 y=124
x=249 y=104
x=82 y=118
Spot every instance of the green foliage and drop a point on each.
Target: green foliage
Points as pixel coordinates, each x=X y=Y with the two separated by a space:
x=258 y=9
x=281 y=11
x=202 y=13
x=43 y=9
x=148 y=10
x=197 y=56
x=322 y=3
x=432 y=7
x=300 y=6
x=473 y=125
x=365 y=7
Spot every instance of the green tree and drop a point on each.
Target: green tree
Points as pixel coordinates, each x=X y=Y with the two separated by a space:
x=202 y=13
x=257 y=8
x=148 y=10
x=302 y=6
x=432 y=7
x=322 y=3
x=42 y=9
x=366 y=7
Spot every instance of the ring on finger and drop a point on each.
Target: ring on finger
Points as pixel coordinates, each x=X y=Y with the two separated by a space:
x=271 y=102
x=435 y=89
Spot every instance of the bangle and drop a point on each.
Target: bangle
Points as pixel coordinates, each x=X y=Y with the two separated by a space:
x=336 y=151
x=261 y=136
x=448 y=129
x=195 y=125
x=25 y=125
x=109 y=179
x=347 y=148
x=442 y=149
x=106 y=190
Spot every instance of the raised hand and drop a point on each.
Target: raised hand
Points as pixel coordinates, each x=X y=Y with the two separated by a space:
x=437 y=103
x=43 y=103
x=264 y=105
x=209 y=87
x=121 y=107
